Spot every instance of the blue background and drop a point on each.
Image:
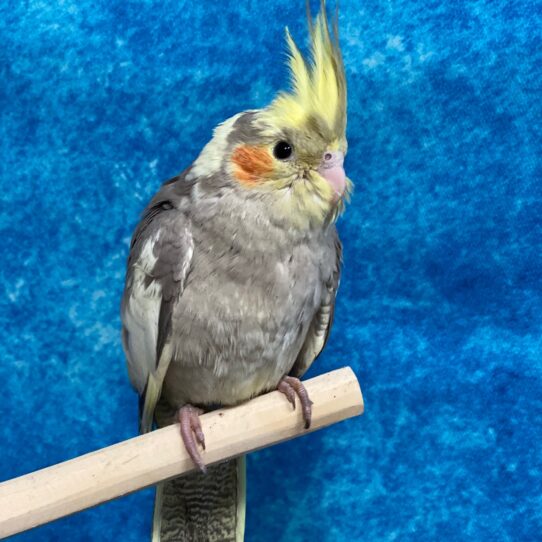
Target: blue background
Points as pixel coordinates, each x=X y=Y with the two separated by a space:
x=440 y=307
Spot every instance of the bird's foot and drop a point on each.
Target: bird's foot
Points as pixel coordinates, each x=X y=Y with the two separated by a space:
x=291 y=386
x=192 y=434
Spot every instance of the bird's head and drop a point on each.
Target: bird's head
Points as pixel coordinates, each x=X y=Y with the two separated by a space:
x=291 y=153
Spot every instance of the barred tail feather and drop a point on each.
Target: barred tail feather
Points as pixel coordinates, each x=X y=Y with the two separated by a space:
x=202 y=507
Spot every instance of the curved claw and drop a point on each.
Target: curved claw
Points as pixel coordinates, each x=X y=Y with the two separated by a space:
x=191 y=426
x=288 y=385
x=198 y=431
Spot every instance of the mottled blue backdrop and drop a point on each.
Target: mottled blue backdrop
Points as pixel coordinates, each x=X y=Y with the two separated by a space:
x=440 y=307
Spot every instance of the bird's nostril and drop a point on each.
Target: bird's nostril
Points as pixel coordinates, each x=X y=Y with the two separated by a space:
x=328 y=156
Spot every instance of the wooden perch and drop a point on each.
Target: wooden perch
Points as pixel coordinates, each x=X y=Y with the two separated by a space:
x=60 y=490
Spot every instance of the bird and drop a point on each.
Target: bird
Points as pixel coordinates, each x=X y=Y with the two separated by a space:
x=232 y=277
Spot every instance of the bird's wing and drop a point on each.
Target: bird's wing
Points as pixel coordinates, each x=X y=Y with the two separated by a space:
x=158 y=265
x=321 y=323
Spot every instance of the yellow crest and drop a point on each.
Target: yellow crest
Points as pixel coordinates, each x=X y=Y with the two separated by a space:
x=318 y=83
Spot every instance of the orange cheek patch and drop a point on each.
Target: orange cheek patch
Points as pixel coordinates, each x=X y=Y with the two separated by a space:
x=251 y=164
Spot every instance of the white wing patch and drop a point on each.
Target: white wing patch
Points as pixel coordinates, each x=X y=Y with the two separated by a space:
x=188 y=259
x=141 y=318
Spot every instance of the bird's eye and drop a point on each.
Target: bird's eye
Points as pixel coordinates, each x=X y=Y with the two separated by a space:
x=282 y=150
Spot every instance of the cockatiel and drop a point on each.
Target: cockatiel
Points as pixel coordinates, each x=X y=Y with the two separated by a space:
x=232 y=277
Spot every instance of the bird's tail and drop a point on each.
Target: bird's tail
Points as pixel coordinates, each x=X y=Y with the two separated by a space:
x=202 y=507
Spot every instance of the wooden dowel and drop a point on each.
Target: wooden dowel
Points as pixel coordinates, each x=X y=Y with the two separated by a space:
x=60 y=490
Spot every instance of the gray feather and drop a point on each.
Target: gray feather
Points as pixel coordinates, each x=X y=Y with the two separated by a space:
x=320 y=327
x=159 y=262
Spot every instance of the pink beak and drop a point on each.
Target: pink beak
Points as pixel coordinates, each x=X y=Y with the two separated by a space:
x=332 y=170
